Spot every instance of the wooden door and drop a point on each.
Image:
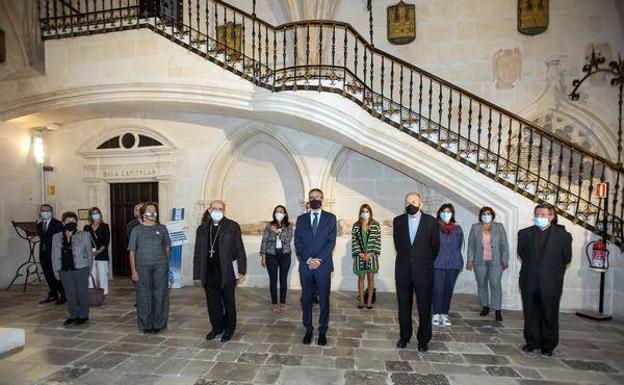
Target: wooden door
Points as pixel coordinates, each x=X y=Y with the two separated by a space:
x=124 y=196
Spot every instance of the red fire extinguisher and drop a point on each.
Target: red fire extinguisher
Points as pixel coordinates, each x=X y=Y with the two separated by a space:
x=599 y=256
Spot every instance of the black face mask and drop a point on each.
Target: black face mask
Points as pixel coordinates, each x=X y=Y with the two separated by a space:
x=315 y=204
x=411 y=209
x=71 y=226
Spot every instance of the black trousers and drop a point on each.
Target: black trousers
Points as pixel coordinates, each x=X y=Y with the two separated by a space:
x=278 y=264
x=541 y=320
x=55 y=286
x=221 y=303
x=405 y=296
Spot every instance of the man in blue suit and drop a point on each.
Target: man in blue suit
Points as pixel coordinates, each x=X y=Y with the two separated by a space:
x=315 y=239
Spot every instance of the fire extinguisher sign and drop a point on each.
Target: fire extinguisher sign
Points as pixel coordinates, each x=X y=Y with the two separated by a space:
x=601 y=190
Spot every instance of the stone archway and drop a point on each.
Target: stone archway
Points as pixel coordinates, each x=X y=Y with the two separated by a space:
x=231 y=149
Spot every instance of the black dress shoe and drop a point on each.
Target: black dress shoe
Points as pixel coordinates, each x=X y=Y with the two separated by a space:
x=81 y=321
x=547 y=353
x=212 y=335
x=226 y=337
x=401 y=343
x=485 y=311
x=156 y=331
x=499 y=316
x=369 y=307
x=359 y=306
x=147 y=331
x=47 y=300
x=527 y=348
x=60 y=301
x=69 y=321
x=307 y=339
x=322 y=340
x=422 y=347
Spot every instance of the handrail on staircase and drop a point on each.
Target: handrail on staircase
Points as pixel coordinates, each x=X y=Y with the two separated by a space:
x=365 y=43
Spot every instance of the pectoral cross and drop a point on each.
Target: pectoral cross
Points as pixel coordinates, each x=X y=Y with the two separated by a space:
x=211 y=253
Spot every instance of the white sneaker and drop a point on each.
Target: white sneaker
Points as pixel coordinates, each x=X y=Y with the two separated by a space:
x=436 y=320
x=444 y=320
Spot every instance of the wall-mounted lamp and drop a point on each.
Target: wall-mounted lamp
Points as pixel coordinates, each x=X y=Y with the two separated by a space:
x=39 y=154
x=38 y=148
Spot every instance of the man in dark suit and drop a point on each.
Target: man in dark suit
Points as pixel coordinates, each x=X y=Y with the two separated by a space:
x=545 y=250
x=417 y=242
x=315 y=239
x=220 y=262
x=135 y=221
x=46 y=228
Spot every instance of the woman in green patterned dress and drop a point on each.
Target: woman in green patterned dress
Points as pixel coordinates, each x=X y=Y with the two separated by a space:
x=365 y=249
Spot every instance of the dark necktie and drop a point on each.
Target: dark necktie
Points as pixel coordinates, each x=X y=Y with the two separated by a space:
x=315 y=224
x=45 y=226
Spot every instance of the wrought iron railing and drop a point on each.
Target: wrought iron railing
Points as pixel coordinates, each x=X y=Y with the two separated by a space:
x=333 y=57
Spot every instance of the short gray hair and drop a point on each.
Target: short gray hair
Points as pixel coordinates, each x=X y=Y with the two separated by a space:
x=217 y=201
x=409 y=194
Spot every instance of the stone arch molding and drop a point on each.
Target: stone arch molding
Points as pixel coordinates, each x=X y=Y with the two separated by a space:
x=578 y=122
x=90 y=147
x=233 y=147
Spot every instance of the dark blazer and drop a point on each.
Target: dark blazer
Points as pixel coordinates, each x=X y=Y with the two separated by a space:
x=101 y=237
x=543 y=271
x=230 y=246
x=45 y=244
x=319 y=246
x=415 y=262
x=131 y=225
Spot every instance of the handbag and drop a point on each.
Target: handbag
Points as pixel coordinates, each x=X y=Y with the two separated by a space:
x=96 y=293
x=374 y=294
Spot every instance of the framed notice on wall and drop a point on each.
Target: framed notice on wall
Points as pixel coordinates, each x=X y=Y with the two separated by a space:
x=83 y=214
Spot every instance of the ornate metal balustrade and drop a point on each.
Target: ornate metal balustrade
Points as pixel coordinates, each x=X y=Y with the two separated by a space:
x=331 y=56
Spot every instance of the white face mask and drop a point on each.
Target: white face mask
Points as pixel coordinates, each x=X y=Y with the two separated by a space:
x=279 y=216
x=150 y=215
x=365 y=216
x=216 y=215
x=486 y=218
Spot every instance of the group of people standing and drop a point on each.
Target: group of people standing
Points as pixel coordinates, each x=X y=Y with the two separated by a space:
x=428 y=261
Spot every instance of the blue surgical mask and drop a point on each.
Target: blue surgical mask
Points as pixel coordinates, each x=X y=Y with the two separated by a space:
x=540 y=222
x=446 y=217
x=216 y=215
x=96 y=216
x=486 y=218
x=46 y=215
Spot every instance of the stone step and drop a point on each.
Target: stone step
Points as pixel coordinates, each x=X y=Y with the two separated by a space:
x=11 y=341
